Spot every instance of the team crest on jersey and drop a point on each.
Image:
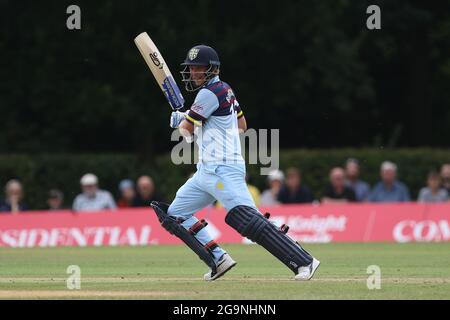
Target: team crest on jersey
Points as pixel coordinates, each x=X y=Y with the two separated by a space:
x=230 y=96
x=193 y=53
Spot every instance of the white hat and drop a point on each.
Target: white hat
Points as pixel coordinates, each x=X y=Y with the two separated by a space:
x=276 y=175
x=387 y=165
x=89 y=179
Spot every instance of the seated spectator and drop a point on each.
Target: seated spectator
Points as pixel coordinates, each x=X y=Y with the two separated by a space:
x=359 y=187
x=13 y=198
x=433 y=192
x=55 y=200
x=92 y=198
x=337 y=191
x=293 y=191
x=445 y=176
x=146 y=192
x=269 y=197
x=127 y=194
x=389 y=189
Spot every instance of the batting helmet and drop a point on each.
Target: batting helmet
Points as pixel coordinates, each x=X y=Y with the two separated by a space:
x=200 y=55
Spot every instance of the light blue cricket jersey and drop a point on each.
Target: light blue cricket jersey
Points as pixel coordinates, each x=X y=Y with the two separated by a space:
x=215 y=113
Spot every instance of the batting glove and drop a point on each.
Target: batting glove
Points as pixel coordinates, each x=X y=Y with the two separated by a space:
x=176 y=118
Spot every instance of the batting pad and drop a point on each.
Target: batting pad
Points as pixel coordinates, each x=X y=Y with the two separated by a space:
x=252 y=224
x=170 y=224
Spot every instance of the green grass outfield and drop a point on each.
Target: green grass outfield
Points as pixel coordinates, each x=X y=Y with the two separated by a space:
x=408 y=271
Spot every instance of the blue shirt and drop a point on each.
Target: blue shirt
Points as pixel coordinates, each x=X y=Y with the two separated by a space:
x=397 y=193
x=5 y=206
x=361 y=189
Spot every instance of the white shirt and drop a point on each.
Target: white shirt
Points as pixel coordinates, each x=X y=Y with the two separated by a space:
x=101 y=200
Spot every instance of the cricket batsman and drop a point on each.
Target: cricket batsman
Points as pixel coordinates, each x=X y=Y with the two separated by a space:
x=217 y=119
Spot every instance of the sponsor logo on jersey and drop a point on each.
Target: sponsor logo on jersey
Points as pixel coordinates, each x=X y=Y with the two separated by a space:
x=196 y=107
x=230 y=95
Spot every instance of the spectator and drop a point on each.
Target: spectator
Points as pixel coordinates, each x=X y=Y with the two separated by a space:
x=359 y=187
x=55 y=199
x=337 y=191
x=293 y=191
x=445 y=176
x=433 y=192
x=127 y=193
x=145 y=192
x=269 y=197
x=13 y=198
x=389 y=189
x=92 y=198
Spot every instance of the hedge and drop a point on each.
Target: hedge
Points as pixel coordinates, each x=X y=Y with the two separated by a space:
x=41 y=172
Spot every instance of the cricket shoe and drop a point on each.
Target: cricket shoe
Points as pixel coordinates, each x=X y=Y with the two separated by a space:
x=307 y=272
x=224 y=264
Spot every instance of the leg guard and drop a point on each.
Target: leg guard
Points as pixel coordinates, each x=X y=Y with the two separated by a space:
x=187 y=236
x=252 y=224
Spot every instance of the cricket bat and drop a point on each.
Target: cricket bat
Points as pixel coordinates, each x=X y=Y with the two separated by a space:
x=160 y=70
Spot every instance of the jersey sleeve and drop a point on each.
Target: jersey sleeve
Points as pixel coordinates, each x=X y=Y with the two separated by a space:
x=204 y=105
x=238 y=110
x=236 y=107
